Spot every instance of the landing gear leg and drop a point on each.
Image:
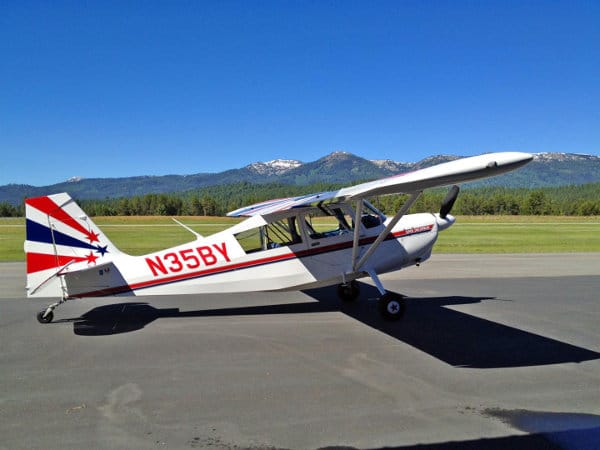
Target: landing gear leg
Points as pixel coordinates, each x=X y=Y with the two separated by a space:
x=391 y=305
x=47 y=315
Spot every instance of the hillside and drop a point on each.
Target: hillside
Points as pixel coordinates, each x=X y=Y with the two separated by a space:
x=547 y=169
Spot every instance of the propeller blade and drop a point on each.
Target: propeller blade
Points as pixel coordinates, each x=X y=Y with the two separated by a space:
x=449 y=200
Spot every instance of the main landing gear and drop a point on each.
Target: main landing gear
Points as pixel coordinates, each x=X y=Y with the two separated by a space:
x=391 y=305
x=349 y=292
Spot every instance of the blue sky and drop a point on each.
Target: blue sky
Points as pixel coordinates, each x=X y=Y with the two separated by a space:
x=109 y=89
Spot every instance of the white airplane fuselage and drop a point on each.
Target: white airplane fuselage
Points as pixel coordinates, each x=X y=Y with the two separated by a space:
x=219 y=264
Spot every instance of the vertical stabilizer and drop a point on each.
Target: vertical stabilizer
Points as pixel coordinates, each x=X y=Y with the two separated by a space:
x=59 y=233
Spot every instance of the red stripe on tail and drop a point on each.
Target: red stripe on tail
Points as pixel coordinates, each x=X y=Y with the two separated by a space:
x=37 y=262
x=47 y=206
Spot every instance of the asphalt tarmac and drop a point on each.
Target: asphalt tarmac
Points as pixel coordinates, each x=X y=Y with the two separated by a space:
x=495 y=351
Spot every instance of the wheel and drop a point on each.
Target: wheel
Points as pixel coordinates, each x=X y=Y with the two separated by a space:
x=349 y=291
x=47 y=319
x=392 y=306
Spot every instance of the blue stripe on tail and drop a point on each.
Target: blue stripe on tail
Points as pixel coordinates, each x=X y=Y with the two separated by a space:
x=40 y=233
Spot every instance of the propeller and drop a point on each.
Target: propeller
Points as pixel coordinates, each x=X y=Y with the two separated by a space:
x=449 y=200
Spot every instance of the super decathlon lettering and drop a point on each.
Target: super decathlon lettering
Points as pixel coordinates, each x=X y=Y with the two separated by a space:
x=189 y=258
x=420 y=229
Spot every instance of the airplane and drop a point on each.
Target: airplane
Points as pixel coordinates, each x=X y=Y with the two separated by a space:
x=310 y=241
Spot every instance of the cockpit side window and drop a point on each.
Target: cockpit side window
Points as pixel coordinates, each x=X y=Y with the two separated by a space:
x=371 y=216
x=276 y=234
x=282 y=233
x=251 y=240
x=328 y=221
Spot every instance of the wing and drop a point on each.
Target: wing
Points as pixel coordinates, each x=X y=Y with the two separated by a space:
x=282 y=204
x=453 y=172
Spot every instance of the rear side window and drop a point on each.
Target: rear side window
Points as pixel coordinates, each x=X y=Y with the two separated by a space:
x=281 y=233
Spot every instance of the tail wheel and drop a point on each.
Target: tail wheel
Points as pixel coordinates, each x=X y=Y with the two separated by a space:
x=392 y=306
x=349 y=291
x=42 y=317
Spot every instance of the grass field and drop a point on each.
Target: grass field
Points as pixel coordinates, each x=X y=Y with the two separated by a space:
x=479 y=234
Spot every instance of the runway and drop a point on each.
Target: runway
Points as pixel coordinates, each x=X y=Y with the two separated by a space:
x=495 y=351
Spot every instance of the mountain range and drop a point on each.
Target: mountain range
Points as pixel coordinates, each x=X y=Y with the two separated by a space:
x=547 y=169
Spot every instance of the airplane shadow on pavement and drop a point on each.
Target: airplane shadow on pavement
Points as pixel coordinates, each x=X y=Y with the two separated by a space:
x=457 y=338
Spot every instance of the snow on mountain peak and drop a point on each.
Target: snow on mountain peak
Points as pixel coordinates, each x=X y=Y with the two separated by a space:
x=274 y=167
x=388 y=164
x=555 y=156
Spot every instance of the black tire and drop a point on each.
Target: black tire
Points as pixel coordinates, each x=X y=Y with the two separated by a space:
x=47 y=319
x=349 y=292
x=392 y=306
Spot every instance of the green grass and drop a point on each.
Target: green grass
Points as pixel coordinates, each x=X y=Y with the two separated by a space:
x=512 y=237
x=140 y=235
x=12 y=236
x=485 y=234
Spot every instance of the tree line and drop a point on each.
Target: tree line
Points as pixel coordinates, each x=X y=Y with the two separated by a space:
x=583 y=200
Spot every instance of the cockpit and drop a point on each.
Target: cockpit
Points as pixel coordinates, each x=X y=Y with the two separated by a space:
x=302 y=227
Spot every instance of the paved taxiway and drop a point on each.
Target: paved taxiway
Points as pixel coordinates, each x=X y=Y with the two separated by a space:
x=495 y=351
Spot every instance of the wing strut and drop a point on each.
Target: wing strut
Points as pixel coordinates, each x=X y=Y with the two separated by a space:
x=357 y=229
x=357 y=265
